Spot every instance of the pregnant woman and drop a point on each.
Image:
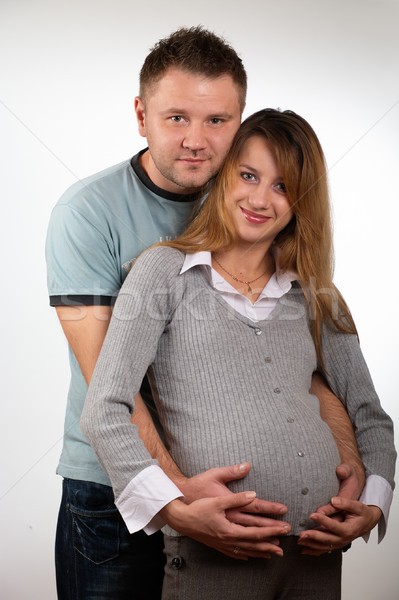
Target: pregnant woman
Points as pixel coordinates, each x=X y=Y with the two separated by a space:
x=230 y=321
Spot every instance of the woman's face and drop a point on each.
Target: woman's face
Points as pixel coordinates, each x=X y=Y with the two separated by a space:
x=257 y=199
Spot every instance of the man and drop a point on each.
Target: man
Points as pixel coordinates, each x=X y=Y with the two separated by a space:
x=192 y=95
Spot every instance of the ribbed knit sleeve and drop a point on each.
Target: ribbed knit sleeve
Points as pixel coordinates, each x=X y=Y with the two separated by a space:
x=349 y=378
x=144 y=306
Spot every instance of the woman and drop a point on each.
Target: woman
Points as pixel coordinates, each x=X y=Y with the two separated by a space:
x=232 y=319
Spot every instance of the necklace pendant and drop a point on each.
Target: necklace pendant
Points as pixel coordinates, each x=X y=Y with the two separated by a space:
x=249 y=289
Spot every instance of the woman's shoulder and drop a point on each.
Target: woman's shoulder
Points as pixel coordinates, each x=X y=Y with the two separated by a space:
x=163 y=254
x=160 y=261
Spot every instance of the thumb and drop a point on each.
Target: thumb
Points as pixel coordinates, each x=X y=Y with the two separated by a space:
x=225 y=474
x=344 y=470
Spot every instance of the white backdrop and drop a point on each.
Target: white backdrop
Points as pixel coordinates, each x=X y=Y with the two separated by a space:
x=69 y=73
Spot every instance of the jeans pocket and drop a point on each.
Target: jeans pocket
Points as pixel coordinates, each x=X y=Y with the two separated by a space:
x=96 y=533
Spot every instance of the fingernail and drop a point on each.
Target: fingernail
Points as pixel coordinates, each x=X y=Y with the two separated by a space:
x=250 y=494
x=336 y=501
x=242 y=467
x=283 y=510
x=280 y=553
x=284 y=530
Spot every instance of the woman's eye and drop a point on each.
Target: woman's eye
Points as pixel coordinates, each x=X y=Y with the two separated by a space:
x=248 y=176
x=281 y=187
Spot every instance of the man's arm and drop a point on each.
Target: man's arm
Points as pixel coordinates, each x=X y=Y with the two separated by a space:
x=356 y=519
x=85 y=328
x=334 y=414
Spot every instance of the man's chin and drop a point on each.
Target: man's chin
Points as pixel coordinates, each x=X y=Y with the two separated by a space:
x=193 y=183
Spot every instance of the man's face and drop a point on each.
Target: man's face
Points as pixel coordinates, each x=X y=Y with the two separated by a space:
x=189 y=121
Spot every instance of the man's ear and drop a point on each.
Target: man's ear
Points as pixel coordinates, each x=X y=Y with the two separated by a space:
x=140 y=115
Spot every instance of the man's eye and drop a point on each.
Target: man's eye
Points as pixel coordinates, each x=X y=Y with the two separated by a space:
x=177 y=119
x=216 y=121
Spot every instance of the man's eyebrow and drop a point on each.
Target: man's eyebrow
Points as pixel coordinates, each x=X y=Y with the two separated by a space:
x=174 y=110
x=221 y=115
x=179 y=111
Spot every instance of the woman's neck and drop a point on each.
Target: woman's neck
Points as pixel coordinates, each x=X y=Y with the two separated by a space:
x=247 y=270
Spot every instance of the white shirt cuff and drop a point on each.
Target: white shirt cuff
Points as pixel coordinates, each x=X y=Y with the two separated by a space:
x=143 y=497
x=378 y=492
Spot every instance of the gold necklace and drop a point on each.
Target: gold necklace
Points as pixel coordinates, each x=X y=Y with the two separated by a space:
x=236 y=278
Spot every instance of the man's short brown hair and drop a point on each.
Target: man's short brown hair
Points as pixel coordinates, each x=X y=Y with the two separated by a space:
x=195 y=50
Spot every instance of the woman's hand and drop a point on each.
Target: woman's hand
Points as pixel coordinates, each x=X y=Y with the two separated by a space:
x=333 y=533
x=205 y=521
x=212 y=483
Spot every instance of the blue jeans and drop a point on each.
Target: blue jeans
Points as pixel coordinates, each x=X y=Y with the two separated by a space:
x=96 y=558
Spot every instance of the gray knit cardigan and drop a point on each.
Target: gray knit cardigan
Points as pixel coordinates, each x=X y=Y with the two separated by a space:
x=228 y=389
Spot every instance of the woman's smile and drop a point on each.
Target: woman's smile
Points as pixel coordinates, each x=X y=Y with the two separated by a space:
x=252 y=217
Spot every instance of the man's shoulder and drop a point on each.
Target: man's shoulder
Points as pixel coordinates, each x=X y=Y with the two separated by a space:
x=102 y=185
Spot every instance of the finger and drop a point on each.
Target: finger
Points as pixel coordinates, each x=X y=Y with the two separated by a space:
x=261 y=550
x=258 y=534
x=323 y=541
x=248 y=519
x=327 y=509
x=352 y=506
x=244 y=499
x=234 y=500
x=231 y=473
x=329 y=524
x=266 y=508
x=324 y=544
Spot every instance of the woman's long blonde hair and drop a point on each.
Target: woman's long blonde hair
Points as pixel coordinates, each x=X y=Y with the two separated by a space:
x=306 y=242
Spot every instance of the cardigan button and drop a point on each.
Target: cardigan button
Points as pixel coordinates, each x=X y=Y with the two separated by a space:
x=258 y=331
x=305 y=491
x=177 y=562
x=301 y=453
x=268 y=359
x=277 y=390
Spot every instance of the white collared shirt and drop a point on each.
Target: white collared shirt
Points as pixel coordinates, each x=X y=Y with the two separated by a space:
x=151 y=490
x=279 y=284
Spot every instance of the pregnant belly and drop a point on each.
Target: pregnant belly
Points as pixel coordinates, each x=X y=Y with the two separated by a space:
x=294 y=466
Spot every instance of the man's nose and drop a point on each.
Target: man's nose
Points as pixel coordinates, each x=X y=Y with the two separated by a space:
x=195 y=137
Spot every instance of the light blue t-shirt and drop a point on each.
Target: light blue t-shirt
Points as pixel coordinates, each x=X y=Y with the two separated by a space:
x=96 y=231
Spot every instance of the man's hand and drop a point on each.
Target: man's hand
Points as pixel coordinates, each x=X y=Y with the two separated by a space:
x=358 y=519
x=350 y=487
x=205 y=521
x=212 y=483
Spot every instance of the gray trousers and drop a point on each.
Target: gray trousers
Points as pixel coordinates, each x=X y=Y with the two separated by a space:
x=195 y=572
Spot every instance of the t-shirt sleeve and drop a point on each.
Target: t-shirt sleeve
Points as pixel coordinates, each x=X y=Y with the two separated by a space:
x=349 y=378
x=81 y=263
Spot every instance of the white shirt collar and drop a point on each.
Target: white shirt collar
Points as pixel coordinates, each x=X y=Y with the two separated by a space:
x=278 y=285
